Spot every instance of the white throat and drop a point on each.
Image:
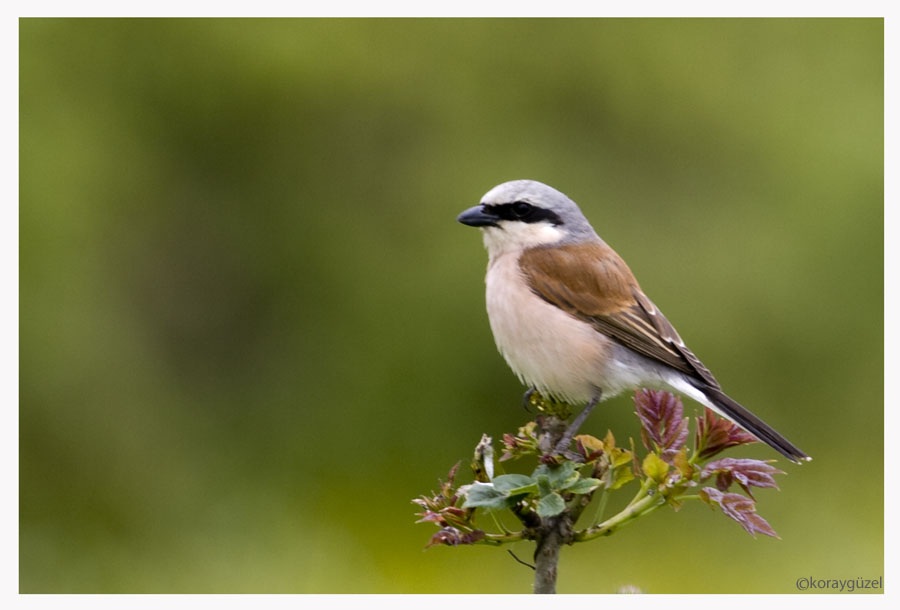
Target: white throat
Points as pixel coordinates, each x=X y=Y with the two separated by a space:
x=517 y=236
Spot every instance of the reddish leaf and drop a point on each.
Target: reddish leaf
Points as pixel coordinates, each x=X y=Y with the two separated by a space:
x=441 y=507
x=740 y=508
x=663 y=425
x=524 y=443
x=447 y=487
x=430 y=516
x=715 y=434
x=451 y=536
x=748 y=473
x=588 y=448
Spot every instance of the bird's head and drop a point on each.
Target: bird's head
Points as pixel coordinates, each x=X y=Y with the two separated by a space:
x=523 y=214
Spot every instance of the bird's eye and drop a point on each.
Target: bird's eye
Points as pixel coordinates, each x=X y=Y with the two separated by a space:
x=521 y=209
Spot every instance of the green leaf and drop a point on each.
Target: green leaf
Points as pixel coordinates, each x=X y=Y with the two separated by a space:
x=571 y=480
x=543 y=483
x=620 y=457
x=609 y=441
x=620 y=477
x=515 y=484
x=683 y=464
x=559 y=477
x=551 y=505
x=583 y=486
x=485 y=495
x=655 y=468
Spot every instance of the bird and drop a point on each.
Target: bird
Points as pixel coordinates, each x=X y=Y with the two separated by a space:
x=571 y=320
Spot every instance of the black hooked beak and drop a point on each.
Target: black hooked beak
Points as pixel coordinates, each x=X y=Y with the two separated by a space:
x=478 y=216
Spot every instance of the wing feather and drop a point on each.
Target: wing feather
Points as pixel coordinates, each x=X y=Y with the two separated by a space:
x=593 y=283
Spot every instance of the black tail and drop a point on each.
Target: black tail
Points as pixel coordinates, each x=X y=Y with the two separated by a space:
x=752 y=424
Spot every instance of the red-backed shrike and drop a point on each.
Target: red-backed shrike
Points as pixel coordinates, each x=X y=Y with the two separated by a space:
x=569 y=317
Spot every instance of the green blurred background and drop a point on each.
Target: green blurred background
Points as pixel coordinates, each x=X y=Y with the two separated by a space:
x=251 y=329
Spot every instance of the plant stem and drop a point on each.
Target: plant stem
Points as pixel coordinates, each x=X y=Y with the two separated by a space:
x=500 y=539
x=643 y=504
x=551 y=532
x=546 y=556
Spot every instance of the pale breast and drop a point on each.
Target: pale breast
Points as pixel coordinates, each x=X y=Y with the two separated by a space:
x=546 y=347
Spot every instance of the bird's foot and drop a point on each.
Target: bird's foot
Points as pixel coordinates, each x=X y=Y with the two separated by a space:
x=570 y=432
x=526 y=399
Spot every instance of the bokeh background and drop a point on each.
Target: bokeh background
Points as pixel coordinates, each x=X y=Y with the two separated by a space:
x=251 y=329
